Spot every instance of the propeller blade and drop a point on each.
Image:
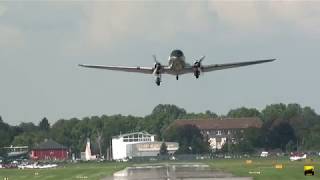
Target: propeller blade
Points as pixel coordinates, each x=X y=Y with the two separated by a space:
x=154 y=71
x=202 y=58
x=155 y=58
x=200 y=68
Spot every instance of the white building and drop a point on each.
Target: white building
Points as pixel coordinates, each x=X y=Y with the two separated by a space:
x=86 y=155
x=219 y=131
x=138 y=144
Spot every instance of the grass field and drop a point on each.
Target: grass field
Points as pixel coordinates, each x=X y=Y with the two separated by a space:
x=291 y=170
x=71 y=171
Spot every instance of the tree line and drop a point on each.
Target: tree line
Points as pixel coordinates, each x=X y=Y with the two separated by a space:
x=288 y=127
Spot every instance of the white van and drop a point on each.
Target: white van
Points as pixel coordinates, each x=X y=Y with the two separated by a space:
x=264 y=154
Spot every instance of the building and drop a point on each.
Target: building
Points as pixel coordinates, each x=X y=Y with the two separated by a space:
x=16 y=151
x=219 y=130
x=150 y=148
x=49 y=150
x=86 y=155
x=138 y=144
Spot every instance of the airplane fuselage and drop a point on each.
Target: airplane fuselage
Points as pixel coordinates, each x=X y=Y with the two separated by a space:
x=177 y=61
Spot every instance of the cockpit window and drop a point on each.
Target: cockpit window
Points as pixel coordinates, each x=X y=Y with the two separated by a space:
x=177 y=53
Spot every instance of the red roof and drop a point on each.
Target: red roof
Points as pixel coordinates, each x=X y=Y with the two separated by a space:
x=221 y=123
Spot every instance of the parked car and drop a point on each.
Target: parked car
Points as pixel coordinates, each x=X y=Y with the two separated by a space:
x=264 y=154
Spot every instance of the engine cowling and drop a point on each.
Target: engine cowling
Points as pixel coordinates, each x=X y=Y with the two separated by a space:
x=197 y=69
x=157 y=68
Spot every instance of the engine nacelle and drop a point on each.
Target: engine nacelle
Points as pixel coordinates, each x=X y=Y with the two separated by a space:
x=197 y=69
x=196 y=73
x=157 y=69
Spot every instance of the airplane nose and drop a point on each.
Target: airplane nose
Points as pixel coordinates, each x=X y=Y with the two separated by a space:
x=177 y=53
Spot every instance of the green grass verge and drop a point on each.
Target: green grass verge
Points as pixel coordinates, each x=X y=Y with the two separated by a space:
x=238 y=167
x=291 y=170
x=70 y=171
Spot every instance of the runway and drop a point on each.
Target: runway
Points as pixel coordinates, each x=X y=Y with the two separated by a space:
x=172 y=171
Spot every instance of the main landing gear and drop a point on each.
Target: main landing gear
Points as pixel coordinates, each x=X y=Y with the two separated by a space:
x=196 y=73
x=158 y=80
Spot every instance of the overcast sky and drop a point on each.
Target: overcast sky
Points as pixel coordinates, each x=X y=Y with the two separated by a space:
x=42 y=43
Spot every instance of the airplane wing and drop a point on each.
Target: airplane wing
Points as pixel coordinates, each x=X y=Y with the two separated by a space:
x=215 y=67
x=138 y=69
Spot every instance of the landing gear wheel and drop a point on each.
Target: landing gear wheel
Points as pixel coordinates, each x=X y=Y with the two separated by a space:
x=177 y=77
x=158 y=81
x=197 y=74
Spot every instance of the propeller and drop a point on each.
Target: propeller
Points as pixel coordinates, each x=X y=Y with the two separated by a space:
x=157 y=65
x=197 y=65
x=155 y=59
x=198 y=62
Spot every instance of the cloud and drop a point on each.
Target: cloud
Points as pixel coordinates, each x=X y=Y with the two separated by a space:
x=301 y=15
x=3 y=10
x=10 y=37
x=237 y=14
x=105 y=23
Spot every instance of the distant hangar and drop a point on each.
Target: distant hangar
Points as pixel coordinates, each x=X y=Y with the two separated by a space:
x=138 y=144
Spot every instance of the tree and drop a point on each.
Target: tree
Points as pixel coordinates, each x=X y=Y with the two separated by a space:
x=44 y=124
x=65 y=133
x=284 y=126
x=99 y=139
x=189 y=138
x=163 y=149
x=280 y=135
x=161 y=117
x=290 y=146
x=254 y=136
x=243 y=112
x=6 y=134
x=273 y=112
x=243 y=142
x=29 y=138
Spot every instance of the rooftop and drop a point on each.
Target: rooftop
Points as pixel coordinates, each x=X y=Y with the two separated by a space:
x=49 y=144
x=221 y=123
x=134 y=133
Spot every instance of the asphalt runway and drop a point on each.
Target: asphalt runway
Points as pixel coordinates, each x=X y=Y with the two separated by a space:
x=180 y=171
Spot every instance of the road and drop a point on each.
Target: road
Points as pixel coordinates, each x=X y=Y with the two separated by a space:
x=176 y=171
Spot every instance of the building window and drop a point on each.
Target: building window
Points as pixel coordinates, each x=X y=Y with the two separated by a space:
x=219 y=132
